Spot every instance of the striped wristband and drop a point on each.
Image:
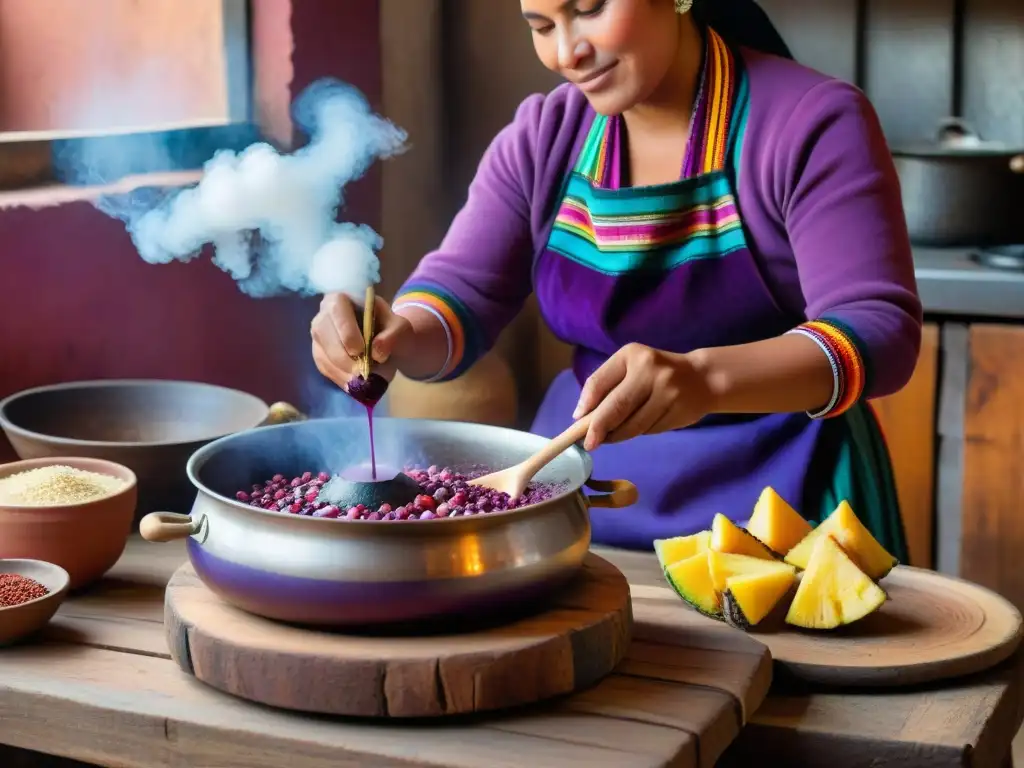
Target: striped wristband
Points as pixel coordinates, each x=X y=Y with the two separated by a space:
x=849 y=375
x=837 y=374
x=397 y=308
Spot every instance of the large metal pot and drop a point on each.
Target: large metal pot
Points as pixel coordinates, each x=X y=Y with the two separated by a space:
x=151 y=426
x=961 y=190
x=337 y=572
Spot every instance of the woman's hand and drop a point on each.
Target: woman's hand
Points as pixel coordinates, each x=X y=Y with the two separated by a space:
x=640 y=390
x=338 y=338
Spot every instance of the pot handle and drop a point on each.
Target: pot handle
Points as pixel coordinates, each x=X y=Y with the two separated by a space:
x=162 y=527
x=1017 y=164
x=614 y=494
x=282 y=413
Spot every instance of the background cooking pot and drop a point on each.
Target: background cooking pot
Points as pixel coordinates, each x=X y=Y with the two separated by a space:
x=961 y=190
x=150 y=426
x=339 y=572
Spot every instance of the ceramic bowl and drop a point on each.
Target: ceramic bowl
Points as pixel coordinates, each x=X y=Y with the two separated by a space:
x=85 y=539
x=20 y=621
x=151 y=426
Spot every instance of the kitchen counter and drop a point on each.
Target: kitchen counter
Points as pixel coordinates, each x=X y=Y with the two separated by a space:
x=950 y=282
x=101 y=688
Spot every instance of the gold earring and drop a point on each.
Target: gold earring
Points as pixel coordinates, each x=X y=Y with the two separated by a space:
x=683 y=6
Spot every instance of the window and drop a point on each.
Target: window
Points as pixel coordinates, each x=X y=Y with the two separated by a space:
x=92 y=91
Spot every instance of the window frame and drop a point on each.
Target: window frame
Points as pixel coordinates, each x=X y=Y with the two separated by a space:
x=34 y=159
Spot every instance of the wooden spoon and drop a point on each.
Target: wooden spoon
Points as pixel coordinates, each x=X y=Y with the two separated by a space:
x=368 y=307
x=514 y=480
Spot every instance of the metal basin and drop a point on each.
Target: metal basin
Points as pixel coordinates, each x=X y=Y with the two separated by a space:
x=150 y=426
x=357 y=573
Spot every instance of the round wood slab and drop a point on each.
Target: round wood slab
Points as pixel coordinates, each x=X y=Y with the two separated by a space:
x=933 y=627
x=575 y=641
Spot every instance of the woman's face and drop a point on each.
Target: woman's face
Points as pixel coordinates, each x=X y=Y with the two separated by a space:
x=616 y=51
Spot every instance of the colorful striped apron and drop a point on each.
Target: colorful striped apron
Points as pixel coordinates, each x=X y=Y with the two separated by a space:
x=669 y=266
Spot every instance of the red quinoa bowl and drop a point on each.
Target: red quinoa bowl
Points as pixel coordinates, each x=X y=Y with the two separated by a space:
x=27 y=607
x=83 y=534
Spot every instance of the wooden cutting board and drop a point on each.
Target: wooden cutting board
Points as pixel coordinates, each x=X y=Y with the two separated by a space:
x=576 y=641
x=933 y=627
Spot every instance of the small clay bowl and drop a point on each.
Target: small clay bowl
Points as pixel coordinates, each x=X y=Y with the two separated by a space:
x=19 y=621
x=84 y=538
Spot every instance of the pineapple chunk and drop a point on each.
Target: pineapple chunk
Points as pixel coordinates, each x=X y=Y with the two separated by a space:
x=854 y=538
x=681 y=547
x=728 y=537
x=833 y=591
x=691 y=580
x=749 y=598
x=749 y=587
x=776 y=524
x=725 y=566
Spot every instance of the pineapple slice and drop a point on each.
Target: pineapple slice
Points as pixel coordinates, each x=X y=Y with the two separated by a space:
x=749 y=598
x=833 y=591
x=749 y=587
x=855 y=539
x=691 y=580
x=681 y=547
x=728 y=537
x=724 y=566
x=776 y=524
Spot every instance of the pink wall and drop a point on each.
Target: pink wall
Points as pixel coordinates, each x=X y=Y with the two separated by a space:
x=76 y=300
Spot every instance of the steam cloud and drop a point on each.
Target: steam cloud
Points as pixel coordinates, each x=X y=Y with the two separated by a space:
x=271 y=217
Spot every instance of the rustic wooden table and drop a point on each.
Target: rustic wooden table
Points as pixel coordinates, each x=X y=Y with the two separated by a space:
x=100 y=688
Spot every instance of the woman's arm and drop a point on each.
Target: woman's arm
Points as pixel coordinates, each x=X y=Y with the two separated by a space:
x=781 y=375
x=640 y=390
x=463 y=294
x=844 y=218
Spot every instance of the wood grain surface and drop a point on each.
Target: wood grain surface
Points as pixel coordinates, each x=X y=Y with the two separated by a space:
x=102 y=689
x=933 y=627
x=571 y=644
x=907 y=419
x=992 y=526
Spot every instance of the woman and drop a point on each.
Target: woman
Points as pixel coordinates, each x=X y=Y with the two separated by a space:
x=717 y=231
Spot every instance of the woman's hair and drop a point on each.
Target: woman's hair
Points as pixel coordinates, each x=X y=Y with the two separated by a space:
x=742 y=22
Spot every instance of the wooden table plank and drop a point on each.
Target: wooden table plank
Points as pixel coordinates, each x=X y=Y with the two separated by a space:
x=130 y=710
x=742 y=676
x=124 y=611
x=967 y=724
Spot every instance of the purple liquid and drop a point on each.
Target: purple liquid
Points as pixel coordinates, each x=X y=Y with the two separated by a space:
x=368 y=393
x=373 y=450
